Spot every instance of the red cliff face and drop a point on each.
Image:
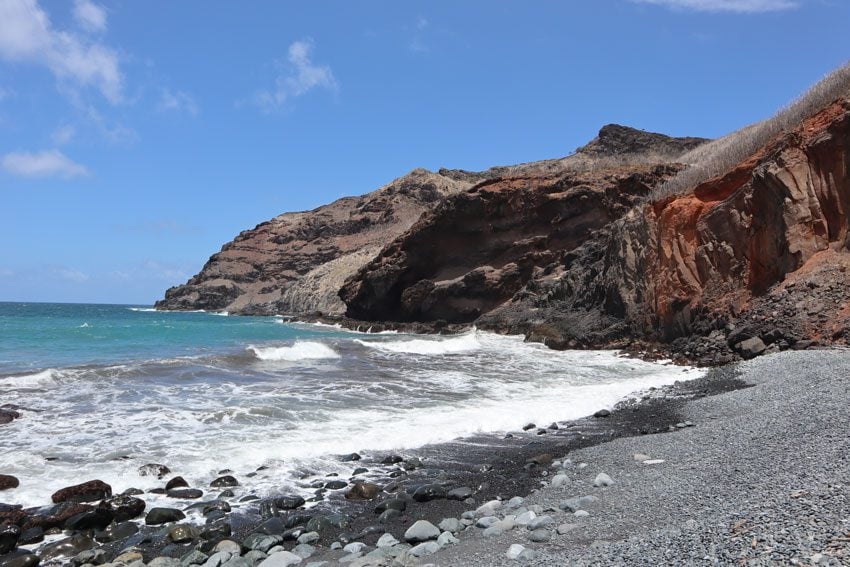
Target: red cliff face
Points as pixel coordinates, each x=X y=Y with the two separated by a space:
x=759 y=252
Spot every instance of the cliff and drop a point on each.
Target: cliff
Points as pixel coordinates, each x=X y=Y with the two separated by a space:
x=296 y=263
x=746 y=262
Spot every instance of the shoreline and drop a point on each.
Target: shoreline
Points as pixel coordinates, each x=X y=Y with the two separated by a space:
x=490 y=465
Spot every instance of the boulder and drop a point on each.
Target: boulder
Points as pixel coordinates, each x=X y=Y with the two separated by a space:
x=363 y=491
x=8 y=481
x=420 y=531
x=158 y=516
x=86 y=492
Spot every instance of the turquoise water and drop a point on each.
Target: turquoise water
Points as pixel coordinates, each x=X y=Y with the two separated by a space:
x=104 y=389
x=48 y=335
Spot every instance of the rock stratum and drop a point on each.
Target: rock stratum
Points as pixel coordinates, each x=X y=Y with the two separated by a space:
x=585 y=251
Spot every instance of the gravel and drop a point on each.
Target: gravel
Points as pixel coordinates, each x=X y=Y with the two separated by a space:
x=762 y=478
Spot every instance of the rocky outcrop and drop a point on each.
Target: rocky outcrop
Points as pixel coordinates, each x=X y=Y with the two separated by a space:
x=476 y=249
x=760 y=252
x=296 y=262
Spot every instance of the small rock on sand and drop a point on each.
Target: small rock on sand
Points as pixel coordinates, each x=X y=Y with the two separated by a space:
x=602 y=480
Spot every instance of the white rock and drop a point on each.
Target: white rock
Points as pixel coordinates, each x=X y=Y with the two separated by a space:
x=581 y=513
x=566 y=528
x=422 y=530
x=336 y=545
x=515 y=550
x=446 y=538
x=309 y=537
x=560 y=480
x=423 y=549
x=540 y=522
x=281 y=559
x=640 y=457
x=524 y=519
x=581 y=466
x=486 y=522
x=451 y=525
x=355 y=547
x=653 y=461
x=387 y=540
x=489 y=508
x=603 y=479
x=516 y=501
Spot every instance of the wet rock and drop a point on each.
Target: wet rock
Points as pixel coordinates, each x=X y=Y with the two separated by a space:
x=125 y=507
x=185 y=493
x=350 y=457
x=216 y=530
x=8 y=481
x=31 y=535
x=20 y=560
x=262 y=542
x=224 y=481
x=132 y=492
x=336 y=485
x=602 y=413
x=116 y=532
x=215 y=506
x=528 y=427
x=176 y=482
x=96 y=519
x=158 y=516
x=422 y=530
x=9 y=536
x=363 y=491
x=95 y=556
x=399 y=504
x=7 y=416
x=392 y=460
x=429 y=492
x=182 y=533
x=86 y=492
x=288 y=502
x=153 y=469
x=67 y=547
x=272 y=526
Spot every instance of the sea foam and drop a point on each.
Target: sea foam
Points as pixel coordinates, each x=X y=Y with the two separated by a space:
x=463 y=343
x=301 y=350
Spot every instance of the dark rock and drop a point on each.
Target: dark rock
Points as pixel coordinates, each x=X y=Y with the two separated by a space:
x=224 y=481
x=182 y=533
x=20 y=560
x=391 y=504
x=602 y=413
x=388 y=516
x=391 y=460
x=350 y=457
x=125 y=507
x=157 y=516
x=9 y=536
x=750 y=348
x=360 y=470
x=553 y=426
x=217 y=531
x=336 y=485
x=230 y=494
x=528 y=427
x=153 y=469
x=8 y=481
x=7 y=416
x=185 y=493
x=428 y=492
x=461 y=493
x=132 y=492
x=543 y=460
x=297 y=520
x=31 y=535
x=176 y=482
x=85 y=492
x=363 y=491
x=272 y=526
x=96 y=519
x=67 y=547
x=215 y=505
x=116 y=532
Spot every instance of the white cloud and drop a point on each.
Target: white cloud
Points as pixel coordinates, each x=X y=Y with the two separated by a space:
x=70 y=274
x=26 y=35
x=48 y=163
x=736 y=6
x=6 y=93
x=90 y=16
x=303 y=77
x=63 y=134
x=177 y=100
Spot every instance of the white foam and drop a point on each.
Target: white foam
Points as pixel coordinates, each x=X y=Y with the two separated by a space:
x=84 y=326
x=142 y=309
x=301 y=350
x=220 y=313
x=463 y=343
x=36 y=380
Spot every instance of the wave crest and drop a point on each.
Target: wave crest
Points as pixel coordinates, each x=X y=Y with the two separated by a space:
x=463 y=343
x=300 y=350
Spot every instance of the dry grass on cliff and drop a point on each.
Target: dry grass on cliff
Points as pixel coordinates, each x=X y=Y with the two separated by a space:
x=718 y=157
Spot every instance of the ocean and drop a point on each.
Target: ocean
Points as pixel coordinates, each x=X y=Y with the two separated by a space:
x=105 y=389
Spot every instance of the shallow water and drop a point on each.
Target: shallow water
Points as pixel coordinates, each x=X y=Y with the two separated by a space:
x=110 y=388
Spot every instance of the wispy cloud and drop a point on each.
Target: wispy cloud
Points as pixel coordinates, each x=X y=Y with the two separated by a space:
x=417 y=42
x=63 y=134
x=177 y=101
x=735 y=6
x=90 y=16
x=302 y=76
x=77 y=61
x=70 y=274
x=48 y=163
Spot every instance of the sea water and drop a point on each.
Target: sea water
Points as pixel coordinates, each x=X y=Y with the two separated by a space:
x=108 y=388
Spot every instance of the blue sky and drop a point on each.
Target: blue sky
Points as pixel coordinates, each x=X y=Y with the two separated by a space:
x=138 y=137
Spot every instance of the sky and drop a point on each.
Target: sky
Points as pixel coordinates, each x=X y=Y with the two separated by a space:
x=138 y=137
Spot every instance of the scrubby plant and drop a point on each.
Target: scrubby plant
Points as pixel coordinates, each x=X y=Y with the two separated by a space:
x=720 y=156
